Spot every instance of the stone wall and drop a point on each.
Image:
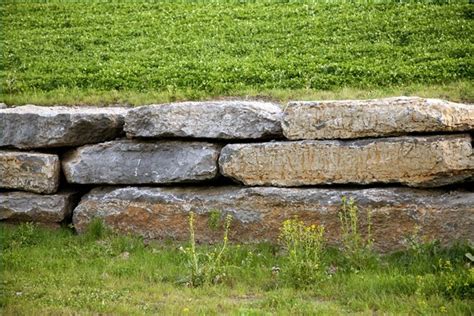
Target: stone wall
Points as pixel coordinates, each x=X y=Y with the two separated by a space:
x=408 y=161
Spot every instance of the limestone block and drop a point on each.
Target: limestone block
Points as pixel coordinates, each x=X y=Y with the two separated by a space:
x=423 y=161
x=29 y=171
x=374 y=118
x=141 y=162
x=33 y=126
x=26 y=206
x=216 y=119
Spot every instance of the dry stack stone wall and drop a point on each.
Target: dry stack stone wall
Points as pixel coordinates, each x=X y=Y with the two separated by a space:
x=409 y=161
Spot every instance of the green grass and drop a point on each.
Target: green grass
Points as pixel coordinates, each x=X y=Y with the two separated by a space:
x=57 y=272
x=142 y=52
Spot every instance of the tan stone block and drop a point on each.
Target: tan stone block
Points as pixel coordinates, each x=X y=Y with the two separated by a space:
x=424 y=161
x=28 y=171
x=372 y=118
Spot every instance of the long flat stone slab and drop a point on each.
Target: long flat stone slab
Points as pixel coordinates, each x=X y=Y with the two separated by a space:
x=26 y=206
x=424 y=161
x=141 y=162
x=162 y=213
x=216 y=119
x=373 y=118
x=35 y=172
x=33 y=126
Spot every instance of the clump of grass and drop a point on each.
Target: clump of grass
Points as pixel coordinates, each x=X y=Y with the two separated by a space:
x=27 y=234
x=96 y=229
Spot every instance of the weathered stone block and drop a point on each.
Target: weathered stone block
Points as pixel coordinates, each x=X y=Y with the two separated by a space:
x=33 y=126
x=134 y=162
x=161 y=213
x=425 y=161
x=217 y=119
x=28 y=171
x=371 y=118
x=25 y=206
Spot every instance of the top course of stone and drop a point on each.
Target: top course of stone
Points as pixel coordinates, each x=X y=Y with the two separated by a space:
x=33 y=126
x=217 y=119
x=30 y=126
x=374 y=118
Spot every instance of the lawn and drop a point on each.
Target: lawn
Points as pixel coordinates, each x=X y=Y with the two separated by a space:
x=47 y=271
x=141 y=52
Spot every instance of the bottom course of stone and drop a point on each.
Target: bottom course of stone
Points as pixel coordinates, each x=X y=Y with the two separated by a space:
x=258 y=212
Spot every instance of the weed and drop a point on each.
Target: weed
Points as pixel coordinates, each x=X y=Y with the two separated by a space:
x=25 y=235
x=208 y=267
x=304 y=249
x=453 y=283
x=214 y=219
x=96 y=229
x=356 y=248
x=419 y=245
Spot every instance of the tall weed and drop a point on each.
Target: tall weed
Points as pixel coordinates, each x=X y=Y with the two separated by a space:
x=206 y=267
x=357 y=247
x=304 y=250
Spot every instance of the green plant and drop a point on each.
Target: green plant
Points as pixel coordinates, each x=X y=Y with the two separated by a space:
x=304 y=249
x=96 y=229
x=214 y=219
x=356 y=248
x=455 y=284
x=207 y=267
x=420 y=245
x=421 y=249
x=447 y=280
x=26 y=235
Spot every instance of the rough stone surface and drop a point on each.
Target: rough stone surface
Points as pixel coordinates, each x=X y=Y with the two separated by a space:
x=371 y=118
x=424 y=161
x=28 y=171
x=33 y=126
x=219 y=119
x=162 y=213
x=134 y=162
x=25 y=206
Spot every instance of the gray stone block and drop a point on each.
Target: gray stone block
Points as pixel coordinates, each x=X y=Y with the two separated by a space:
x=216 y=119
x=140 y=162
x=31 y=207
x=33 y=126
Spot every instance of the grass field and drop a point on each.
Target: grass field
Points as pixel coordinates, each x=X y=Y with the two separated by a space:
x=142 y=52
x=57 y=272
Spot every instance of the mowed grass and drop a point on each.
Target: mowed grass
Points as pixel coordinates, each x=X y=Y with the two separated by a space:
x=57 y=272
x=143 y=52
